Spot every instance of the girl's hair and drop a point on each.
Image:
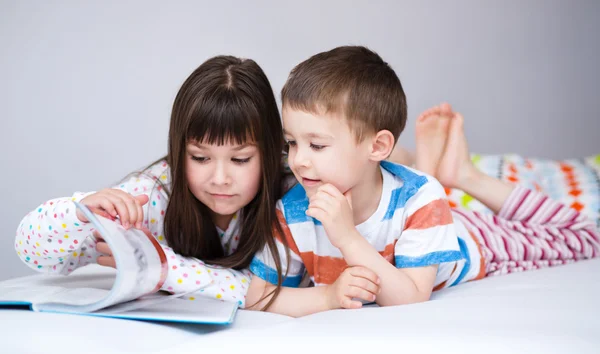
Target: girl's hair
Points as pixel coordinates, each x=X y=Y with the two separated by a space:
x=226 y=99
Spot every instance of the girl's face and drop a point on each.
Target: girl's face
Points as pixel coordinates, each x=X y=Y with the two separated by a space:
x=225 y=178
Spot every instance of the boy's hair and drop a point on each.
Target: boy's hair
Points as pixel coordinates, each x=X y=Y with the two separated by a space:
x=352 y=81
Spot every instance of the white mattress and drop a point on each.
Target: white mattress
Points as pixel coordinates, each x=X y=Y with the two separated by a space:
x=551 y=311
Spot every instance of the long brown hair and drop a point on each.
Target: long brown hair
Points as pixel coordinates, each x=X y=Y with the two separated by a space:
x=225 y=99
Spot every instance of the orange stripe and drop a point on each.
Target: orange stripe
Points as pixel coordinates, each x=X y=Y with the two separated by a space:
x=436 y=213
x=286 y=233
x=326 y=269
x=481 y=273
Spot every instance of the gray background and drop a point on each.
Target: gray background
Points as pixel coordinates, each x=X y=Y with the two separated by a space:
x=86 y=88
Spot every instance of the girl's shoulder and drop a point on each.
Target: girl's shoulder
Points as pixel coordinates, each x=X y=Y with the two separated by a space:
x=154 y=177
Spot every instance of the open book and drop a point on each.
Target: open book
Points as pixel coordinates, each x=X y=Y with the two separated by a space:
x=132 y=291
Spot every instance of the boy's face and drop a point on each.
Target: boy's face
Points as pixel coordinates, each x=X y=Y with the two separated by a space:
x=323 y=149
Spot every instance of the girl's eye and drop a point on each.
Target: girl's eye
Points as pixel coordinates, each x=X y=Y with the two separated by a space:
x=291 y=143
x=200 y=159
x=317 y=147
x=241 y=161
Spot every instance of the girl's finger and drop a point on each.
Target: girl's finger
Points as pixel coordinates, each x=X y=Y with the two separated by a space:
x=103 y=248
x=107 y=261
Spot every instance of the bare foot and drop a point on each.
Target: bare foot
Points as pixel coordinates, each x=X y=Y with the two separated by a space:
x=431 y=133
x=455 y=168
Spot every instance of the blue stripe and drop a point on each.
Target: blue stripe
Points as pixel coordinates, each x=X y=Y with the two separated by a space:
x=412 y=182
x=465 y=252
x=295 y=204
x=428 y=259
x=258 y=268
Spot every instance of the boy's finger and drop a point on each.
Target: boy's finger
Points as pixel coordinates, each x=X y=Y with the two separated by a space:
x=331 y=190
x=365 y=284
x=348 y=303
x=316 y=213
x=365 y=273
x=356 y=292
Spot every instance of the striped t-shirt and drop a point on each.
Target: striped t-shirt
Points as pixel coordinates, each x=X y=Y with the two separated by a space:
x=412 y=227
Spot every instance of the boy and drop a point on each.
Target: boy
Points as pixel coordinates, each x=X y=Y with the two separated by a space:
x=367 y=229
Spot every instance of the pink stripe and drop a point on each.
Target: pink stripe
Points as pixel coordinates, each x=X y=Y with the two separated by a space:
x=486 y=242
x=505 y=229
x=491 y=234
x=553 y=214
x=537 y=207
x=546 y=245
x=572 y=240
x=594 y=249
x=518 y=205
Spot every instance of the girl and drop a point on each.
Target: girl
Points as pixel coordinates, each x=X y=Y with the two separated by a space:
x=211 y=198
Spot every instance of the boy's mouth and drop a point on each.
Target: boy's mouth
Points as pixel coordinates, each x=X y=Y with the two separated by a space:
x=310 y=182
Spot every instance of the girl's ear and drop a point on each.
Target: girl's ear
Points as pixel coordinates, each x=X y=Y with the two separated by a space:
x=382 y=145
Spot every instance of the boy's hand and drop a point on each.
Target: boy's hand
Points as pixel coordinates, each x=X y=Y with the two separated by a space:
x=112 y=202
x=333 y=209
x=354 y=282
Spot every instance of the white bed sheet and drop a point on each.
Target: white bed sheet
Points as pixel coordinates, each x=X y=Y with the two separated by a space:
x=553 y=310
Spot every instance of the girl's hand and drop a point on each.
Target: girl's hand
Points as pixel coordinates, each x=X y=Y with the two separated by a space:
x=107 y=259
x=354 y=282
x=114 y=202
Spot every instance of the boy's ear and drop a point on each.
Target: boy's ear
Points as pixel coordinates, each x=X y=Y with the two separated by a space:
x=382 y=145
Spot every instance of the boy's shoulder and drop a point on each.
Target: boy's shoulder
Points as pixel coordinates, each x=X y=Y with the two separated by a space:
x=411 y=186
x=294 y=204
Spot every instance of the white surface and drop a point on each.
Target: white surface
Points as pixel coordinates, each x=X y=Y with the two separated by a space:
x=552 y=311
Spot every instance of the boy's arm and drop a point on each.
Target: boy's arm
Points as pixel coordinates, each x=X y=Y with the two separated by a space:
x=398 y=286
x=429 y=222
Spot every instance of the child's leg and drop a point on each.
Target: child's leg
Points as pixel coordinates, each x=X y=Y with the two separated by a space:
x=455 y=170
x=530 y=231
x=431 y=134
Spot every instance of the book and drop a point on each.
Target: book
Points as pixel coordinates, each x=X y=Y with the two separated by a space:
x=132 y=291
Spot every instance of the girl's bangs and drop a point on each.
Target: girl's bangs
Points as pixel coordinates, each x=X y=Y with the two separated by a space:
x=223 y=118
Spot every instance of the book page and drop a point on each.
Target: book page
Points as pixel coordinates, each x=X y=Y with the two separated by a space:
x=164 y=307
x=141 y=266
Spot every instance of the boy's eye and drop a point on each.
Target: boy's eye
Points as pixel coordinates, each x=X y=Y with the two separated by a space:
x=200 y=159
x=241 y=161
x=317 y=147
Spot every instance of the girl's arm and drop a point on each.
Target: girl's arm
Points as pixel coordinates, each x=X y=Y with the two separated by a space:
x=52 y=239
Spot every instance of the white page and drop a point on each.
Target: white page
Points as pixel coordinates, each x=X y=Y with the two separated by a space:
x=139 y=267
x=200 y=310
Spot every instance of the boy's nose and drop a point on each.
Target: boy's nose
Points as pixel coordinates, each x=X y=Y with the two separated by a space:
x=301 y=160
